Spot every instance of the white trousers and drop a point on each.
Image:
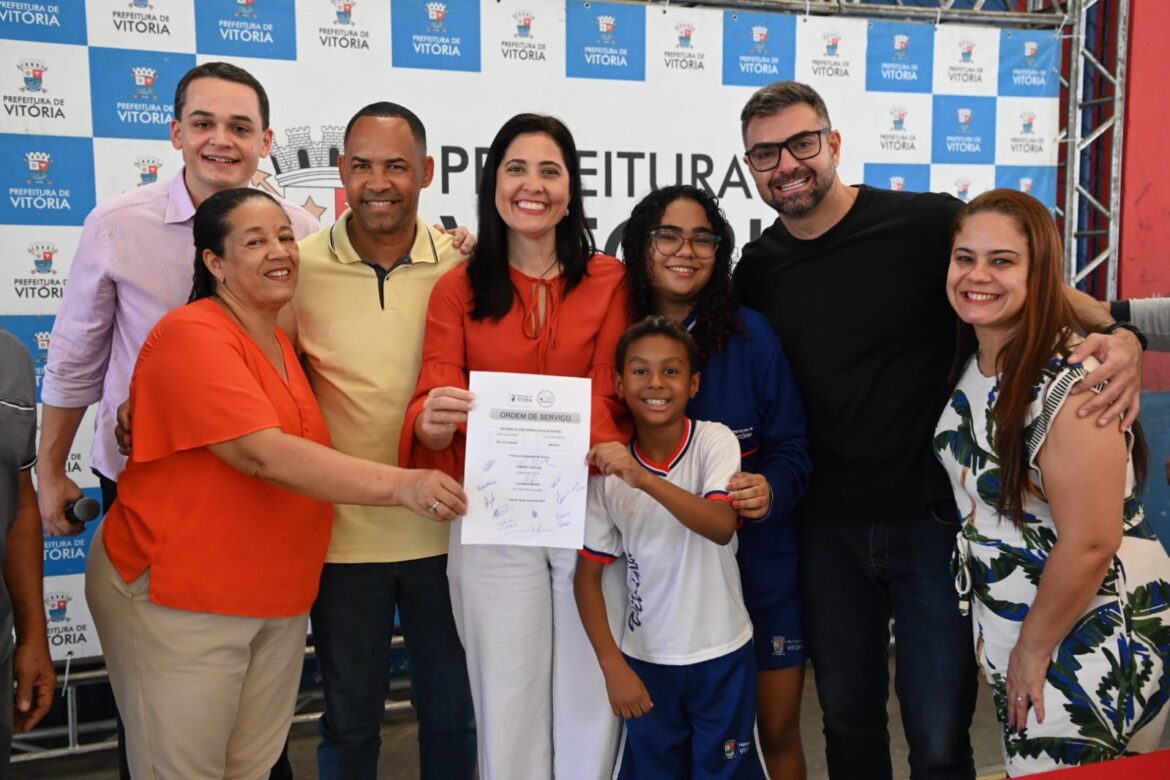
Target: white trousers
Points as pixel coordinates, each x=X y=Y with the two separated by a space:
x=203 y=696
x=541 y=707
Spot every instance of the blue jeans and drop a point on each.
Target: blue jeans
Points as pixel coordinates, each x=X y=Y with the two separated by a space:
x=352 y=621
x=854 y=575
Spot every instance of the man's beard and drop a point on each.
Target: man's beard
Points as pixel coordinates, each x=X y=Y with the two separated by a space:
x=800 y=204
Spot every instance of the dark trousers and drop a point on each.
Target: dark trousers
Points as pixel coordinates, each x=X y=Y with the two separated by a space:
x=855 y=574
x=353 y=622
x=281 y=771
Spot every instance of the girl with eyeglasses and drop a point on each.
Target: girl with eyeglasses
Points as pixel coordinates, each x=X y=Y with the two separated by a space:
x=677 y=248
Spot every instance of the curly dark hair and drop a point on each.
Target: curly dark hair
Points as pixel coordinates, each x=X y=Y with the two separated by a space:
x=487 y=269
x=716 y=310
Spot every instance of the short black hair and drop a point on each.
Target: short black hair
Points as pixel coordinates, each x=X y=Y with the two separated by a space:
x=227 y=72
x=388 y=110
x=657 y=325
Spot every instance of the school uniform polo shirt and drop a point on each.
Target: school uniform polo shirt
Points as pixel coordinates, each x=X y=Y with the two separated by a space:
x=686 y=605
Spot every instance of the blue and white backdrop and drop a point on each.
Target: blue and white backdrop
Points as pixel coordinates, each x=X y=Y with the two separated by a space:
x=652 y=94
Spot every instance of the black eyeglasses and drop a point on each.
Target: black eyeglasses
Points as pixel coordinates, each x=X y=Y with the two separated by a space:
x=669 y=242
x=802 y=146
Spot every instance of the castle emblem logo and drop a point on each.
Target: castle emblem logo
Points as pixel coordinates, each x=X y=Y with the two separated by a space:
x=246 y=9
x=606 y=27
x=832 y=44
x=306 y=171
x=897 y=183
x=436 y=17
x=963 y=189
x=144 y=79
x=39 y=164
x=34 y=75
x=43 y=253
x=57 y=606
x=760 y=39
x=344 y=9
x=966 y=52
x=901 y=47
x=898 y=117
x=1031 y=50
x=147 y=169
x=524 y=21
x=965 y=115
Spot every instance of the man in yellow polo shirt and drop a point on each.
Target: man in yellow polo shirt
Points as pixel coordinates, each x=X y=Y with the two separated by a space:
x=359 y=312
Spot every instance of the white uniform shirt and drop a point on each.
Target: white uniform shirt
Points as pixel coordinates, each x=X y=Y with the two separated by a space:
x=686 y=604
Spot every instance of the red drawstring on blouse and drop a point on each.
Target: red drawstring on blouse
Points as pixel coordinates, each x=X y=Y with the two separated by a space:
x=545 y=334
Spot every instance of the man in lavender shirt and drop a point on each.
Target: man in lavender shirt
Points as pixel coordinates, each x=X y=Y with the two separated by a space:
x=133 y=265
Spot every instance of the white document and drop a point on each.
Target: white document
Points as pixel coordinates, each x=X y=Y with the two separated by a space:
x=525 y=471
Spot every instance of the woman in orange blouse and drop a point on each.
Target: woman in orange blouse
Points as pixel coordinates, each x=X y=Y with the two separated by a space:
x=201 y=577
x=535 y=297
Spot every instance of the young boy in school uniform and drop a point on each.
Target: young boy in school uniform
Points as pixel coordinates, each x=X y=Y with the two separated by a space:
x=684 y=678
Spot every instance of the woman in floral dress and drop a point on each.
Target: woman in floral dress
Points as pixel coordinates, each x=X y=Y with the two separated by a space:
x=1067 y=580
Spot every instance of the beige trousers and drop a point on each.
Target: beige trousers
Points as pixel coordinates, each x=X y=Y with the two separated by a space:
x=203 y=696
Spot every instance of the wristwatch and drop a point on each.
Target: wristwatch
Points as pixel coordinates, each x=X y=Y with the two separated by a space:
x=1134 y=329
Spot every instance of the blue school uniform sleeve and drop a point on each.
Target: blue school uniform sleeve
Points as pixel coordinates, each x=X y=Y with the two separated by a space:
x=783 y=433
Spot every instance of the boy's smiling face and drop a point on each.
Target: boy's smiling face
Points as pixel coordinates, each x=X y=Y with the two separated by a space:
x=656 y=381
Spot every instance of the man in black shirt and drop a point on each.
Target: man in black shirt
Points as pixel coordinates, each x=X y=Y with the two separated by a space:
x=852 y=280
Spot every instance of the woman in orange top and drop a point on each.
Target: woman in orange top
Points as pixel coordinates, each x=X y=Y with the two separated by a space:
x=202 y=574
x=534 y=298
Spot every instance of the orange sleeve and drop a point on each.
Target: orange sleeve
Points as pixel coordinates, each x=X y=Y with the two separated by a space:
x=611 y=419
x=444 y=364
x=192 y=387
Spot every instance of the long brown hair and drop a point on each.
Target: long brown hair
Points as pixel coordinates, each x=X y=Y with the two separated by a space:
x=1044 y=324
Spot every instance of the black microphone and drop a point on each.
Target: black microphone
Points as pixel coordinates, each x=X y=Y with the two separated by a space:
x=82 y=510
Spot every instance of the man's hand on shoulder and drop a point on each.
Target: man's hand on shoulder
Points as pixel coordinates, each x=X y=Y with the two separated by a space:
x=461 y=237
x=1120 y=355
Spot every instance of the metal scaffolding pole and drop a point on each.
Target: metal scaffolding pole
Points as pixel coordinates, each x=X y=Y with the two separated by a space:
x=1094 y=144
